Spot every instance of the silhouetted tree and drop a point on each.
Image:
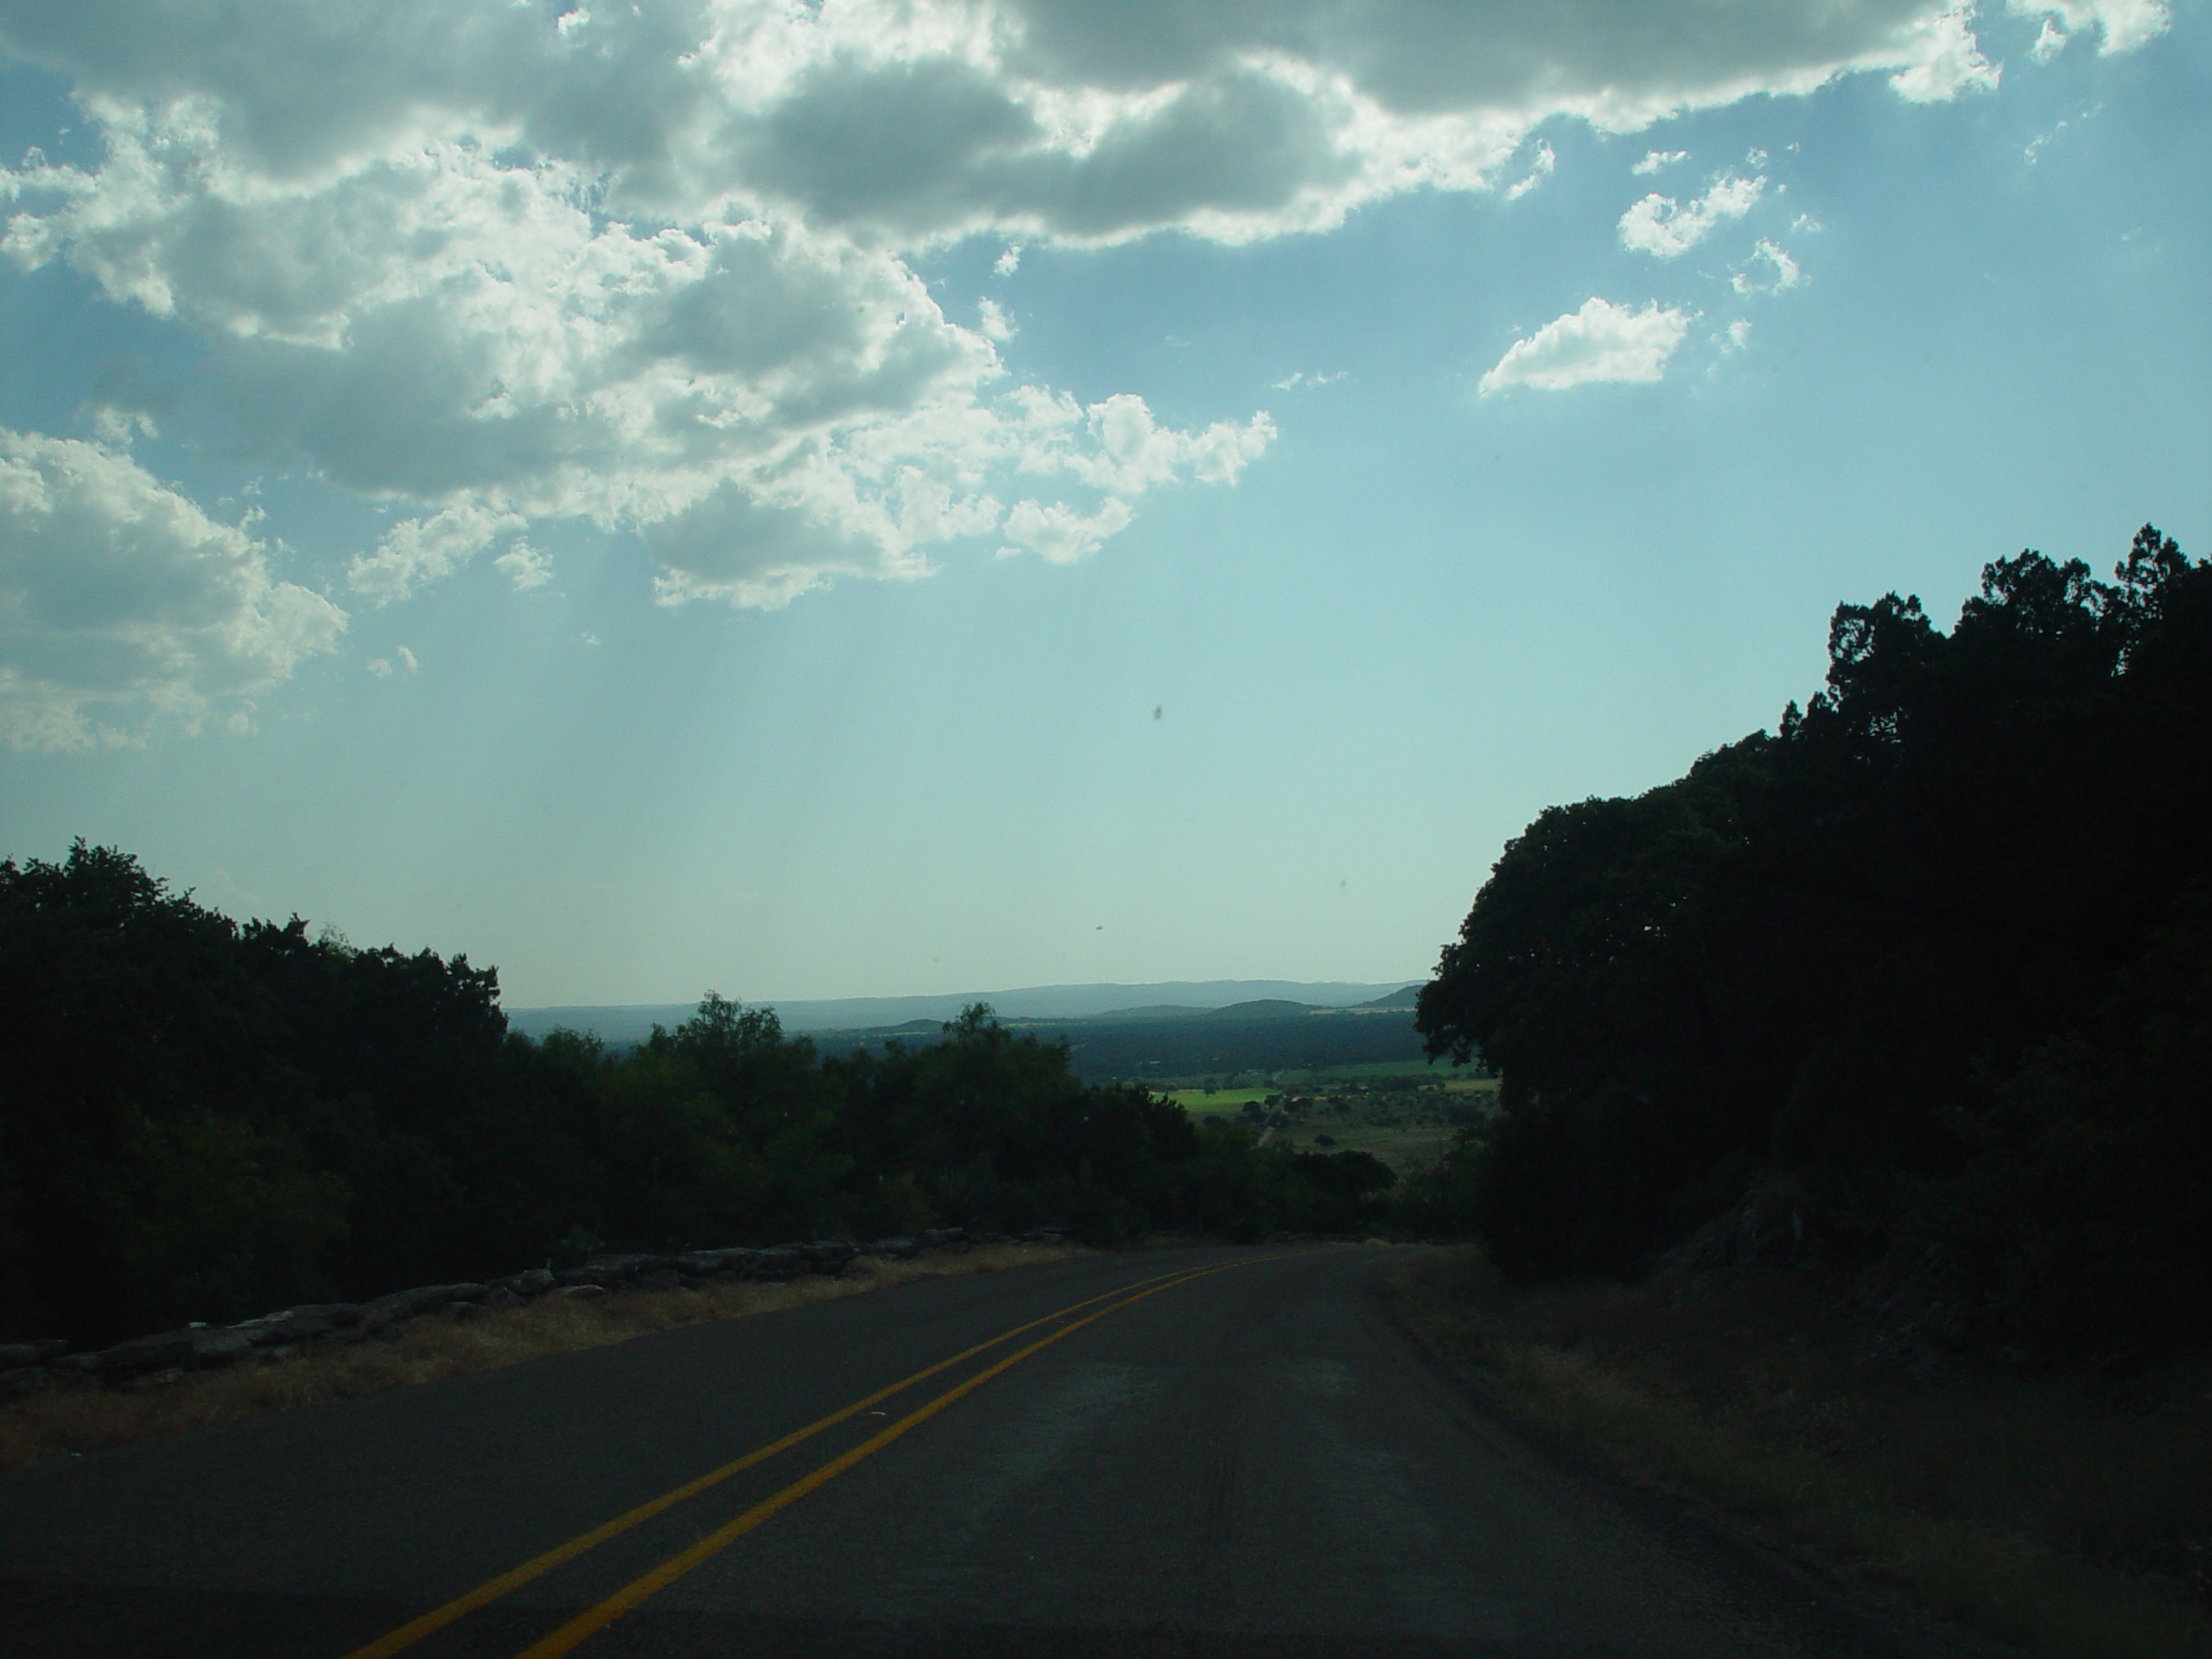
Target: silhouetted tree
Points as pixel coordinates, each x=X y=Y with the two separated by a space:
x=1871 y=949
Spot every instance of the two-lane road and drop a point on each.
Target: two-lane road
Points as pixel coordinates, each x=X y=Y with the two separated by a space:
x=1212 y=1451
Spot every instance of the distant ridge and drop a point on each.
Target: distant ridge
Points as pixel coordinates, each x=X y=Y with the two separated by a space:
x=1173 y=999
x=1266 y=1008
x=1150 y=1011
x=1402 y=999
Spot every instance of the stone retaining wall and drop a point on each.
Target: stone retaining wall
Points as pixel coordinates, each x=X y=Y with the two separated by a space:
x=36 y=1367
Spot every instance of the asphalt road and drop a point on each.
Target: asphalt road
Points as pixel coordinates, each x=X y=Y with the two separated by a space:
x=1249 y=1462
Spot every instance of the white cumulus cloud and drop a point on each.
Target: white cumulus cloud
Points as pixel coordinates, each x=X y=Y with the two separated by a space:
x=524 y=566
x=1655 y=159
x=2122 y=25
x=1541 y=167
x=1949 y=61
x=1601 y=341
x=1661 y=226
x=1059 y=534
x=419 y=550
x=124 y=606
x=1769 y=270
x=650 y=266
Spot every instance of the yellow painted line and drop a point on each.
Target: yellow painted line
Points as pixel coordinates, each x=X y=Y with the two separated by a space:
x=490 y=1591
x=595 y=1619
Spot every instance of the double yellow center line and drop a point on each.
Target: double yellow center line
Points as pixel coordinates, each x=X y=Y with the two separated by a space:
x=596 y=1619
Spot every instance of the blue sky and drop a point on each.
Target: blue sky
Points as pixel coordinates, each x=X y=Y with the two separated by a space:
x=863 y=500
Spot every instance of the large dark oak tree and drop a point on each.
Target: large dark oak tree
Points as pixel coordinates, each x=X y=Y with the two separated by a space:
x=1937 y=950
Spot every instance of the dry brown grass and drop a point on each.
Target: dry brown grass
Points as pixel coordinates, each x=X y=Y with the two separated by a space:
x=2070 y=1514
x=425 y=1349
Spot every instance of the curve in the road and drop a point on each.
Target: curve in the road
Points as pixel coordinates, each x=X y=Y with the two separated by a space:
x=1257 y=1465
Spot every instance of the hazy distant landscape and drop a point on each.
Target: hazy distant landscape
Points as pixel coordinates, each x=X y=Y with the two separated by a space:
x=1142 y=1034
x=1167 y=1000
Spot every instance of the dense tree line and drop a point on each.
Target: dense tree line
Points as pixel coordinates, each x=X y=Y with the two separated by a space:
x=1936 y=957
x=203 y=1121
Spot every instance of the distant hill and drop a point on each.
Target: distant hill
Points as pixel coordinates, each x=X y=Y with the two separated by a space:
x=1402 y=999
x=629 y=1023
x=1265 y=1035
x=1170 y=1000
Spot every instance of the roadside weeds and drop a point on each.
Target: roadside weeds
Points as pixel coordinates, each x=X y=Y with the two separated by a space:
x=2070 y=1514
x=43 y=1426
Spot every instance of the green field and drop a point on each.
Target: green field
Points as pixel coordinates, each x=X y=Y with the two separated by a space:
x=1228 y=1102
x=1402 y=1127
x=1434 y=1072
x=1400 y=1147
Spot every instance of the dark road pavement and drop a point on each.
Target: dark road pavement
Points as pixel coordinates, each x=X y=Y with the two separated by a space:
x=1250 y=1462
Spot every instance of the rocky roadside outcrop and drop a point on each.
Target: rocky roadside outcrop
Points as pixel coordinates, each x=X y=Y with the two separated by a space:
x=1893 y=1307
x=28 y=1367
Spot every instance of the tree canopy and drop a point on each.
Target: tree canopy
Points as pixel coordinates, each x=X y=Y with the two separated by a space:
x=201 y=1120
x=1938 y=950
